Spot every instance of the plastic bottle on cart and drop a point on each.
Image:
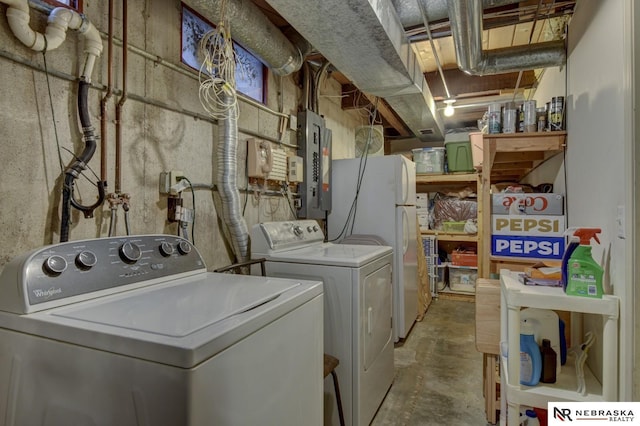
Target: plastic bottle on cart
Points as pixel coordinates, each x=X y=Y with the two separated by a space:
x=549 y=362
x=584 y=275
x=530 y=357
x=532 y=418
x=573 y=243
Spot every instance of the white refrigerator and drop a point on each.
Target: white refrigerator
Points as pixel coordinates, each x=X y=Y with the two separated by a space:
x=386 y=207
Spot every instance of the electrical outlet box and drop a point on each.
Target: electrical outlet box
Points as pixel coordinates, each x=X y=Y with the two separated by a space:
x=167 y=180
x=293 y=122
x=174 y=204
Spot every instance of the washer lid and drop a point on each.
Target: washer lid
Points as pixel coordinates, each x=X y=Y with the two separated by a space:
x=181 y=323
x=346 y=255
x=180 y=310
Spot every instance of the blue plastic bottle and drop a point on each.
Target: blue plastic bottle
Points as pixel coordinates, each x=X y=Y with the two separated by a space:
x=574 y=242
x=563 y=342
x=530 y=357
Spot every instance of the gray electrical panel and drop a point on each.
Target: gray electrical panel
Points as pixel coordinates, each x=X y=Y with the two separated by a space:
x=314 y=145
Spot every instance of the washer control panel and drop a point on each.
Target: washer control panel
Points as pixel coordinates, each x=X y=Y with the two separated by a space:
x=77 y=268
x=273 y=236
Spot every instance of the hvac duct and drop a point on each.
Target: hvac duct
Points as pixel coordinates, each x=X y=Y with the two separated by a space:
x=437 y=10
x=466 y=26
x=367 y=43
x=251 y=28
x=227 y=199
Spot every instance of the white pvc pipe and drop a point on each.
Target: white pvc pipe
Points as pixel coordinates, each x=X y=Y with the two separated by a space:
x=59 y=21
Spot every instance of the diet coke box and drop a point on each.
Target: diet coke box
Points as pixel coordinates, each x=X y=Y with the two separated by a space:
x=510 y=203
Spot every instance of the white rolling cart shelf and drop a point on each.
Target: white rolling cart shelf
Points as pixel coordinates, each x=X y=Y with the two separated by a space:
x=514 y=296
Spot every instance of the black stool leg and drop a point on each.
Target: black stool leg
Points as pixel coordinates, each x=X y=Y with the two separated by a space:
x=338 y=398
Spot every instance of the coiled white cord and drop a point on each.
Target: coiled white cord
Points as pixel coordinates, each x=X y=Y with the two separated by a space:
x=217 y=74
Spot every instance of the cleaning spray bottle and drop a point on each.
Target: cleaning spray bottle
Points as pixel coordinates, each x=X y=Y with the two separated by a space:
x=574 y=242
x=584 y=275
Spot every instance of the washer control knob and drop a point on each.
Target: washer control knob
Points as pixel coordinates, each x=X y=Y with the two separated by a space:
x=297 y=230
x=315 y=228
x=86 y=259
x=55 y=265
x=184 y=247
x=130 y=252
x=166 y=249
x=309 y=228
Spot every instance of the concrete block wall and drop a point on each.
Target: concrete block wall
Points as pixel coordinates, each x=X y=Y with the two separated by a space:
x=160 y=127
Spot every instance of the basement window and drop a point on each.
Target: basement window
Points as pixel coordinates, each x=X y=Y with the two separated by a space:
x=71 y=4
x=250 y=72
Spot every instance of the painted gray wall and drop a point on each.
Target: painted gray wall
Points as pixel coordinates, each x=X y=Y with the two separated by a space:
x=155 y=139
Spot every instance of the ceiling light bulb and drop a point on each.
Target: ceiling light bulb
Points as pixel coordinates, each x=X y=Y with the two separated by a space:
x=448 y=111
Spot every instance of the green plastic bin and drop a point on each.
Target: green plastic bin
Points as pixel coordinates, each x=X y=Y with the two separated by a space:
x=459 y=157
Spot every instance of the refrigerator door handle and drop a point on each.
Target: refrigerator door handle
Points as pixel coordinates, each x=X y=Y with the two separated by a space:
x=405 y=232
x=405 y=182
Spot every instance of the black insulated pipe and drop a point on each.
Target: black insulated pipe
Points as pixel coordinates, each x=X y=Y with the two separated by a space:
x=79 y=165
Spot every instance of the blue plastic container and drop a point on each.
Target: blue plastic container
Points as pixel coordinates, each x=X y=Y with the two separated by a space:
x=530 y=357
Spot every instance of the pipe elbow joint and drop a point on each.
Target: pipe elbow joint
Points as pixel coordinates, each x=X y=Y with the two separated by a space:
x=19 y=23
x=92 y=39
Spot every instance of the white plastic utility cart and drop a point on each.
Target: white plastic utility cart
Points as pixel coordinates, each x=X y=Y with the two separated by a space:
x=514 y=296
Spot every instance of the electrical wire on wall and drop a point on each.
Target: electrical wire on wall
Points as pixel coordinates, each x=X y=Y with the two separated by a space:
x=184 y=224
x=218 y=71
x=347 y=228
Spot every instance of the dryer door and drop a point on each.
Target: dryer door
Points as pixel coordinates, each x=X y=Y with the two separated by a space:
x=376 y=313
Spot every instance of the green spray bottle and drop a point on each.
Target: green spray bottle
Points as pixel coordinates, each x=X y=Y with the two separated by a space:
x=584 y=275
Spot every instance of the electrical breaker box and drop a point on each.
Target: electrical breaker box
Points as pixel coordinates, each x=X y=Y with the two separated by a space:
x=314 y=145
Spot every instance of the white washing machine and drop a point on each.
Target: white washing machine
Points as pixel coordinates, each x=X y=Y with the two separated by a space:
x=358 y=308
x=135 y=331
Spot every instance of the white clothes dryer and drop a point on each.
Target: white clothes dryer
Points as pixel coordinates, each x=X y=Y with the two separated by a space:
x=135 y=331
x=358 y=308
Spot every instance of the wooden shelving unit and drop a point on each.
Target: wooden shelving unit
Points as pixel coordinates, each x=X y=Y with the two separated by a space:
x=444 y=183
x=510 y=157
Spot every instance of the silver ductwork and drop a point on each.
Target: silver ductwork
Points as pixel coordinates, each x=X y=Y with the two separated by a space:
x=466 y=27
x=437 y=10
x=367 y=43
x=251 y=28
x=227 y=198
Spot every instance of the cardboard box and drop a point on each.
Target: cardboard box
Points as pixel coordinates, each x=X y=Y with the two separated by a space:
x=527 y=225
x=528 y=246
x=530 y=204
x=422 y=200
x=550 y=270
x=423 y=222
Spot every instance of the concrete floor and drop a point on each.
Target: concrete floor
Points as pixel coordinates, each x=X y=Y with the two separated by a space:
x=438 y=377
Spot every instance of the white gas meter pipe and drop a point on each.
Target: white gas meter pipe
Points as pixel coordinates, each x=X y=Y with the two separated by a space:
x=59 y=21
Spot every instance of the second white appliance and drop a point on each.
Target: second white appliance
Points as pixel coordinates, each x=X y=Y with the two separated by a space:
x=357 y=308
x=386 y=206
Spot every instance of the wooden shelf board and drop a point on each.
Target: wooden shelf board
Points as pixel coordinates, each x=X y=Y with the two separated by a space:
x=457 y=295
x=451 y=236
x=450 y=178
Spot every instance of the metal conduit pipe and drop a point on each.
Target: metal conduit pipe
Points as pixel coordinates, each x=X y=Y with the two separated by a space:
x=251 y=28
x=142 y=99
x=466 y=26
x=104 y=102
x=122 y=100
x=226 y=176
